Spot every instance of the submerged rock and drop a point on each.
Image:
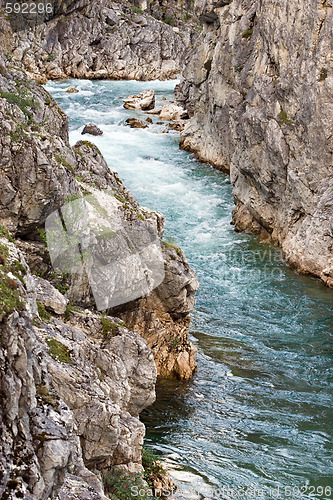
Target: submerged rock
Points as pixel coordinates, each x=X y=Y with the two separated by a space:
x=91 y=129
x=72 y=90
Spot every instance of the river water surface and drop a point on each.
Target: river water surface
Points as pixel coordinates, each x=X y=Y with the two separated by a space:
x=256 y=420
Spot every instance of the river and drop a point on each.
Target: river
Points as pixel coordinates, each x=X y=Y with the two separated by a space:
x=256 y=419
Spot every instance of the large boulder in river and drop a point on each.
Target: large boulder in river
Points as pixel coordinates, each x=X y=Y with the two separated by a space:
x=145 y=101
x=92 y=129
x=173 y=112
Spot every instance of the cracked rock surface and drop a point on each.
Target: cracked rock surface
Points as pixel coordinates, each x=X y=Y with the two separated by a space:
x=259 y=90
x=105 y=40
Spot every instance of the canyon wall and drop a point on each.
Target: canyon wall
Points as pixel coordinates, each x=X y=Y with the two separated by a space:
x=259 y=90
x=102 y=39
x=74 y=380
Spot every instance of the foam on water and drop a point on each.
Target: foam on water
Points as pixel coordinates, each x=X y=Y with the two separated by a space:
x=259 y=411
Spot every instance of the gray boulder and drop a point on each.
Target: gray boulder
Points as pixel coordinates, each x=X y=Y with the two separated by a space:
x=91 y=129
x=49 y=296
x=144 y=101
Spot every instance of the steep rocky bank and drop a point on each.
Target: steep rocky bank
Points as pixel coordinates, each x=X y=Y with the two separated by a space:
x=259 y=90
x=74 y=380
x=102 y=39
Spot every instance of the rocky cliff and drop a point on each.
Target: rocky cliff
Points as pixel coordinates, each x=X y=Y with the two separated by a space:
x=74 y=380
x=101 y=39
x=259 y=90
x=70 y=394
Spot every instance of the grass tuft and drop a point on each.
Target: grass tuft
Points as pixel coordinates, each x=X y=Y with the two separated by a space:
x=58 y=351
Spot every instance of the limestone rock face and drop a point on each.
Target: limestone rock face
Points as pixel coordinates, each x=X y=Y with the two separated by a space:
x=163 y=317
x=259 y=90
x=41 y=172
x=35 y=155
x=71 y=394
x=103 y=39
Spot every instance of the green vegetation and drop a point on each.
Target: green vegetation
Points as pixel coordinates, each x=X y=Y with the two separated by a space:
x=73 y=197
x=42 y=235
x=21 y=100
x=323 y=74
x=70 y=309
x=151 y=464
x=170 y=19
x=174 y=342
x=4 y=233
x=43 y=313
x=283 y=117
x=44 y=394
x=10 y=296
x=136 y=10
x=109 y=328
x=120 y=484
x=170 y=243
x=50 y=57
x=248 y=33
x=61 y=287
x=64 y=163
x=19 y=133
x=10 y=293
x=58 y=351
x=88 y=144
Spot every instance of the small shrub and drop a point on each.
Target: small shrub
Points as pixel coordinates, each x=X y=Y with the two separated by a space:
x=153 y=469
x=120 y=484
x=44 y=394
x=10 y=296
x=23 y=102
x=4 y=252
x=59 y=159
x=151 y=462
x=73 y=197
x=6 y=234
x=70 y=309
x=136 y=10
x=283 y=117
x=109 y=327
x=170 y=20
x=42 y=235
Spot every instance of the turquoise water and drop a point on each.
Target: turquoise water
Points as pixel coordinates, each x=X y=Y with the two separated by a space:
x=256 y=419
